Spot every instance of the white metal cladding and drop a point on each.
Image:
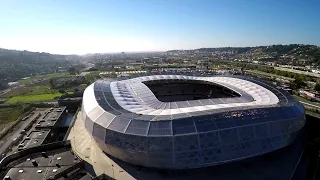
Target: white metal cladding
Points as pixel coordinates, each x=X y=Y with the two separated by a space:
x=126 y=93
x=157 y=134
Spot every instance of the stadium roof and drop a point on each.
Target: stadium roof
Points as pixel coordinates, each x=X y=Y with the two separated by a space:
x=128 y=121
x=132 y=95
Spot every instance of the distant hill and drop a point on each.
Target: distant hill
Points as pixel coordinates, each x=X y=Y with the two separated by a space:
x=293 y=51
x=15 y=64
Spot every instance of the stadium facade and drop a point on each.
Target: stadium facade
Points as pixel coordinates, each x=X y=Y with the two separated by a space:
x=189 y=121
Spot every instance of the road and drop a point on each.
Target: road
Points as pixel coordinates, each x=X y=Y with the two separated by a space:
x=312 y=105
x=7 y=139
x=269 y=74
x=307 y=102
x=5 y=91
x=298 y=71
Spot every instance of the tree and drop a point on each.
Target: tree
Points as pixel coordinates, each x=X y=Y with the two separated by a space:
x=62 y=91
x=52 y=82
x=317 y=86
x=72 y=70
x=298 y=83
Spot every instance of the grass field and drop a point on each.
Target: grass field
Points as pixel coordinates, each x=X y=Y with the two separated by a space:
x=33 y=98
x=298 y=71
x=10 y=116
x=23 y=81
x=28 y=91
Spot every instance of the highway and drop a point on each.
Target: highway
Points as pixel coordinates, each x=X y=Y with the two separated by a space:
x=308 y=104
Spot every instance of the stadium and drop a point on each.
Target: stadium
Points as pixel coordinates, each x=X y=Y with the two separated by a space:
x=189 y=121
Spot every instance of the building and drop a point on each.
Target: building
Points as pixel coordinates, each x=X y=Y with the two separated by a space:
x=50 y=161
x=203 y=65
x=184 y=122
x=70 y=101
x=11 y=84
x=51 y=118
x=33 y=139
x=311 y=95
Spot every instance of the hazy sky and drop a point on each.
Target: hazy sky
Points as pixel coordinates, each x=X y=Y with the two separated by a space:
x=88 y=26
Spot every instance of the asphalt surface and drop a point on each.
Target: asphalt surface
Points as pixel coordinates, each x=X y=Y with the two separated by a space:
x=7 y=139
x=308 y=103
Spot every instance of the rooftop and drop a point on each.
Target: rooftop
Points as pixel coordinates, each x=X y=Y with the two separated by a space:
x=134 y=96
x=44 y=165
x=51 y=118
x=34 y=138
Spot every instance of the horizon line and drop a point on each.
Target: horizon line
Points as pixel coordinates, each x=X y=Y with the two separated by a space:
x=153 y=51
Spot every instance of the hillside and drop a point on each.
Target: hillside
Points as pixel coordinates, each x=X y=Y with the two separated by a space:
x=15 y=64
x=294 y=52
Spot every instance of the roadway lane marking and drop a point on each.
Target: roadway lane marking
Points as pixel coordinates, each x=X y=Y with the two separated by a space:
x=310 y=104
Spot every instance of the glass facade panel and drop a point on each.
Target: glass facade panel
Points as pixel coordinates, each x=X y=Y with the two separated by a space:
x=160 y=128
x=246 y=133
x=160 y=160
x=228 y=136
x=205 y=123
x=186 y=143
x=88 y=124
x=209 y=140
x=134 y=143
x=211 y=155
x=99 y=132
x=275 y=128
x=285 y=126
x=279 y=114
x=265 y=145
x=113 y=139
x=250 y=148
x=137 y=157
x=223 y=123
x=229 y=152
x=105 y=119
x=138 y=127
x=183 y=126
x=119 y=124
x=261 y=130
x=188 y=159
x=160 y=144
x=244 y=118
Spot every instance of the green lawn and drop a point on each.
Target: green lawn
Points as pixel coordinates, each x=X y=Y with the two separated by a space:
x=10 y=116
x=33 y=98
x=28 y=91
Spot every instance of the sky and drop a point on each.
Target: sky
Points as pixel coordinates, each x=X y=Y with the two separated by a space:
x=100 y=26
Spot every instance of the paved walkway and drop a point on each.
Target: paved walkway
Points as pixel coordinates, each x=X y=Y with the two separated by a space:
x=86 y=148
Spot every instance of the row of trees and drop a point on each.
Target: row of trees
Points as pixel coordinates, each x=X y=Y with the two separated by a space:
x=271 y=70
x=299 y=79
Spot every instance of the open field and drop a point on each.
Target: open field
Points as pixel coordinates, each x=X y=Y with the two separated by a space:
x=10 y=116
x=46 y=76
x=33 y=98
x=298 y=71
x=269 y=74
x=28 y=91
